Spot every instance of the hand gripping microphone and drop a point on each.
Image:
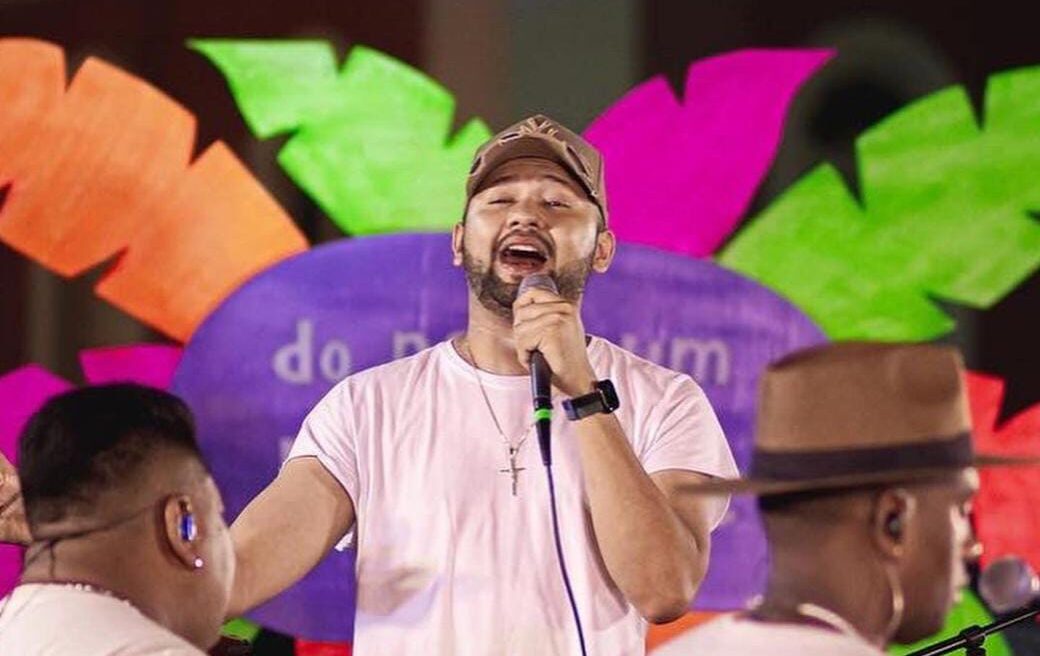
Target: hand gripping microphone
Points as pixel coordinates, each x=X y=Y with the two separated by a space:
x=541 y=374
x=541 y=391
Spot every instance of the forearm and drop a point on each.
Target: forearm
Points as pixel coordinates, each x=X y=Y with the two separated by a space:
x=285 y=531
x=260 y=571
x=654 y=558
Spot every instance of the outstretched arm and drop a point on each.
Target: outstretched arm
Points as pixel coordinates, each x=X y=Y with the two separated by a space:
x=283 y=533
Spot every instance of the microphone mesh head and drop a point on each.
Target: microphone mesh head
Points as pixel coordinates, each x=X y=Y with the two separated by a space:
x=537 y=281
x=1008 y=583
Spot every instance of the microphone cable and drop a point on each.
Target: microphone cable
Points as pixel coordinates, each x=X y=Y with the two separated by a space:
x=559 y=555
x=541 y=393
x=543 y=424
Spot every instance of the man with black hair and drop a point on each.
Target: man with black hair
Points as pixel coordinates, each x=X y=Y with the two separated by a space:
x=129 y=552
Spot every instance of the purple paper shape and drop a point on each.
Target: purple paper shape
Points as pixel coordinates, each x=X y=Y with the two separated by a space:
x=24 y=391
x=146 y=364
x=269 y=352
x=681 y=175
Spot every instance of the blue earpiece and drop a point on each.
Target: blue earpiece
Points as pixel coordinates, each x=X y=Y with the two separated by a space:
x=189 y=531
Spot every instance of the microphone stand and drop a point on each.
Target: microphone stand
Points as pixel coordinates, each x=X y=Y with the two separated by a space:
x=972 y=638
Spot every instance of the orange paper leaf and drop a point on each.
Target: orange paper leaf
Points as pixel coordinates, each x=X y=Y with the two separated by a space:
x=659 y=634
x=104 y=170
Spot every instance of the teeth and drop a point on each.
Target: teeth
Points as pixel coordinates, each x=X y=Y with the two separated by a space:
x=524 y=248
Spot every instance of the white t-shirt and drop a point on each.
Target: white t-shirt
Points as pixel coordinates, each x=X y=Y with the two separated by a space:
x=735 y=635
x=62 y=620
x=448 y=560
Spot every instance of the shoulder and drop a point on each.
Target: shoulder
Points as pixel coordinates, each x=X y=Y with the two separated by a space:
x=733 y=634
x=630 y=370
x=713 y=634
x=93 y=624
x=400 y=368
x=395 y=376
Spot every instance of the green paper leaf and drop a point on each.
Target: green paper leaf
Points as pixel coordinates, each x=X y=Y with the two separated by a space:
x=278 y=85
x=966 y=613
x=241 y=629
x=945 y=213
x=372 y=143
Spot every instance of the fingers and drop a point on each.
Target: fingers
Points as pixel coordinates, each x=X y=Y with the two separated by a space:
x=535 y=295
x=531 y=334
x=538 y=310
x=13 y=526
x=9 y=483
x=10 y=501
x=545 y=322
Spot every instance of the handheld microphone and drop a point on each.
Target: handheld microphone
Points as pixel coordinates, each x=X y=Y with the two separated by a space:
x=1009 y=583
x=541 y=374
x=541 y=391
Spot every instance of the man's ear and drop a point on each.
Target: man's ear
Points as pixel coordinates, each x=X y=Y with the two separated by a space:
x=457 y=232
x=606 y=244
x=891 y=521
x=180 y=524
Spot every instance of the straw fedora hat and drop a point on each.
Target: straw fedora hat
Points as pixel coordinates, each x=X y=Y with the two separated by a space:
x=849 y=414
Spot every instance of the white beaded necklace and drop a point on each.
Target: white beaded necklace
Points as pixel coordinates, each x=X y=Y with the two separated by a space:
x=830 y=618
x=74 y=585
x=822 y=615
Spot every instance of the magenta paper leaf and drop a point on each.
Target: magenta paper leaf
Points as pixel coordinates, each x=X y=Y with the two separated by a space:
x=681 y=175
x=147 y=364
x=23 y=391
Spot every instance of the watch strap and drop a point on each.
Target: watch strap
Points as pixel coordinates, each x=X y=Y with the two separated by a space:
x=602 y=400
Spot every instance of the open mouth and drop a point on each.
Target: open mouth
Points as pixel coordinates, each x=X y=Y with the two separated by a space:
x=525 y=254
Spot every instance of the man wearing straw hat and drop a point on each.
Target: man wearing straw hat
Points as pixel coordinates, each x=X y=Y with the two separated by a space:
x=864 y=471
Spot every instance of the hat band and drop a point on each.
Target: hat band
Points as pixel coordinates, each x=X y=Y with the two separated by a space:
x=947 y=453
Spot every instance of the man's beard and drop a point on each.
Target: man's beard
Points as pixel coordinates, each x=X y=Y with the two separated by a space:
x=498 y=296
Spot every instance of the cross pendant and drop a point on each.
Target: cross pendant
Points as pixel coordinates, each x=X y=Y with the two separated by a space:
x=513 y=469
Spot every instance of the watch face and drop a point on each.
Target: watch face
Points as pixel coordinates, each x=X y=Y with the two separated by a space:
x=610 y=397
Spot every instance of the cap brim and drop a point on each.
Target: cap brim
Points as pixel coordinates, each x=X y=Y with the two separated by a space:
x=523 y=146
x=768 y=487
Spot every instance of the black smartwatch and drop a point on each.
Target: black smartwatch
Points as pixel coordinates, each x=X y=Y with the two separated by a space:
x=603 y=400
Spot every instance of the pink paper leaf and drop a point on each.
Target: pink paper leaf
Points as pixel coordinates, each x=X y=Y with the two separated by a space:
x=23 y=391
x=681 y=175
x=146 y=364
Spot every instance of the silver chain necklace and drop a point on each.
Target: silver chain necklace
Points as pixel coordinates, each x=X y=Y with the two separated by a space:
x=512 y=450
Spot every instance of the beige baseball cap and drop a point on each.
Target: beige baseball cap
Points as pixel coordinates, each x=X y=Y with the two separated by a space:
x=540 y=136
